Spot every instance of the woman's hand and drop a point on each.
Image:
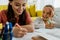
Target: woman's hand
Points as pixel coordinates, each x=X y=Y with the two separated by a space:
x=18 y=31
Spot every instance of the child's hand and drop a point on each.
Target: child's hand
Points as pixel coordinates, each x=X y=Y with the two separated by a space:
x=49 y=25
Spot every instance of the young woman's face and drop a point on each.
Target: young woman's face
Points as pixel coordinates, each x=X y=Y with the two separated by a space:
x=47 y=13
x=18 y=6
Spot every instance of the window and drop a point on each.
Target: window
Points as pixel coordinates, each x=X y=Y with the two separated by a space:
x=3 y=2
x=57 y=4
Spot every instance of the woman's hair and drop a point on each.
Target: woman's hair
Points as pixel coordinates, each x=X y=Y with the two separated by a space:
x=11 y=16
x=50 y=6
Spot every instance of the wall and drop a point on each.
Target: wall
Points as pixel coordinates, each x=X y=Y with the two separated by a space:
x=39 y=3
x=57 y=4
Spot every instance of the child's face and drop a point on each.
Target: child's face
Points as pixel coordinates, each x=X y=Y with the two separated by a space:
x=18 y=6
x=47 y=13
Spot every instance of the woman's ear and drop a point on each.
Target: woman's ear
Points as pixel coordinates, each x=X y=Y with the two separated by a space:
x=10 y=3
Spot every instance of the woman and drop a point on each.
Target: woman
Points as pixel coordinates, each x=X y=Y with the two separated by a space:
x=20 y=18
x=46 y=20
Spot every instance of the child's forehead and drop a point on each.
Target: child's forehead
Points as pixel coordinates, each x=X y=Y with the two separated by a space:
x=47 y=9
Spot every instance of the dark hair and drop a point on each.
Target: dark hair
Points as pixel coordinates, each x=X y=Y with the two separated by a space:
x=11 y=16
x=50 y=6
x=10 y=0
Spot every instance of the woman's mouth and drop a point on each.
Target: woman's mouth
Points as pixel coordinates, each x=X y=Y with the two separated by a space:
x=19 y=11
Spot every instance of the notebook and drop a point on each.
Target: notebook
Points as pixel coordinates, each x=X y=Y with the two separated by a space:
x=55 y=34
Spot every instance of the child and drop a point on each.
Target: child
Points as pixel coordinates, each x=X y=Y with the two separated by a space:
x=46 y=20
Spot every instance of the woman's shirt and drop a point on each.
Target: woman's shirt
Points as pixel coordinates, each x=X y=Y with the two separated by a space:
x=3 y=17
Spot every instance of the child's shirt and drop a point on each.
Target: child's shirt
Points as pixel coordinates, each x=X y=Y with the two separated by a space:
x=39 y=23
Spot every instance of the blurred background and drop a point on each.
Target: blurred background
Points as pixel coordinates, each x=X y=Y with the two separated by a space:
x=35 y=7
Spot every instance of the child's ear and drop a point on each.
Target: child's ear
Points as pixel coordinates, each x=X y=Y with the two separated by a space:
x=52 y=13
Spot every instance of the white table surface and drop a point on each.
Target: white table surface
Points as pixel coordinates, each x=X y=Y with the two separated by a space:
x=50 y=34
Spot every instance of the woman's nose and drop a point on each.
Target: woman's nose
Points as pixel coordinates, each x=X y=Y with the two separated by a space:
x=20 y=7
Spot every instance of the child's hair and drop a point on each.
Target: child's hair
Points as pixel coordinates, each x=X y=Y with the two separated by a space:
x=49 y=6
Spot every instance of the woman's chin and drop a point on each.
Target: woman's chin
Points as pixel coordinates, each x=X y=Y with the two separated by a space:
x=19 y=13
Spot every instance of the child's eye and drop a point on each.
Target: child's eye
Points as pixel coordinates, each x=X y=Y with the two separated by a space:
x=24 y=4
x=43 y=11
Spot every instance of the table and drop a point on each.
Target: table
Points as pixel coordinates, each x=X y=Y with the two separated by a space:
x=50 y=34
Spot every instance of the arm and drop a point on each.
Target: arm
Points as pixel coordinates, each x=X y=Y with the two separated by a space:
x=20 y=31
x=3 y=20
x=29 y=26
x=3 y=17
x=0 y=22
